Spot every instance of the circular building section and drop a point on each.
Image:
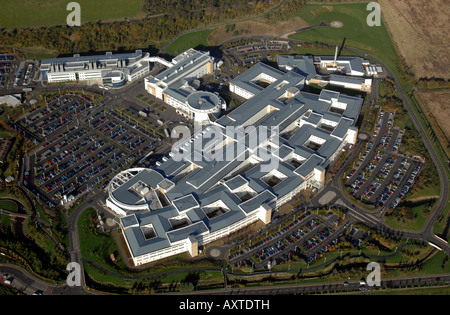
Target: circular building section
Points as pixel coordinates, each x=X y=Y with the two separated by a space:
x=114 y=79
x=202 y=104
x=135 y=190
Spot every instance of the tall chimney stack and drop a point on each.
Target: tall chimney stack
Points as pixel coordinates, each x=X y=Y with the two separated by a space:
x=335 y=57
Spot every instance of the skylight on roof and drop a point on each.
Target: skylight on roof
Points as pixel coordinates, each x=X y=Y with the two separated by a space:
x=215 y=209
x=148 y=231
x=273 y=178
x=314 y=143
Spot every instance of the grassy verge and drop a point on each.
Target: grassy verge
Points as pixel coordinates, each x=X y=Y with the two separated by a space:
x=440 y=227
x=98 y=246
x=351 y=265
x=410 y=217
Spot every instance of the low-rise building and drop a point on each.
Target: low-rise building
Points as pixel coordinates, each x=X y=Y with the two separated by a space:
x=106 y=70
x=276 y=144
x=354 y=66
x=177 y=86
x=347 y=72
x=11 y=100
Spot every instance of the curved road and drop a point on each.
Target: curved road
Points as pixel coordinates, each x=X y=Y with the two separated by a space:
x=223 y=24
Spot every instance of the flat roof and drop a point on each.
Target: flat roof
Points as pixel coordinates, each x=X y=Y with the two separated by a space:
x=182 y=69
x=186 y=203
x=126 y=195
x=303 y=64
x=77 y=59
x=203 y=184
x=201 y=100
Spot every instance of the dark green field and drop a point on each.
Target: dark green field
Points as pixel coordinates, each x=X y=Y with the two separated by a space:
x=29 y=13
x=190 y=40
x=375 y=40
x=8 y=205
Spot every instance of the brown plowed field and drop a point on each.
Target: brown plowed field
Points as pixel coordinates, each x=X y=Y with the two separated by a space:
x=438 y=103
x=420 y=31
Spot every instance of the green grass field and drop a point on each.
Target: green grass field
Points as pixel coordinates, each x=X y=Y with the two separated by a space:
x=5 y=221
x=28 y=13
x=8 y=205
x=191 y=40
x=375 y=40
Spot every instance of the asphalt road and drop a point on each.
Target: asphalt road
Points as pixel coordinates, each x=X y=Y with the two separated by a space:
x=341 y=286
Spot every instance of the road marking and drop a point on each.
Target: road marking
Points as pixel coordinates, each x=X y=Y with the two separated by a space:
x=364 y=216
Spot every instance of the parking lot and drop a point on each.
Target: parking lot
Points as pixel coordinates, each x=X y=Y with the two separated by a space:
x=158 y=115
x=251 y=52
x=356 y=236
x=80 y=145
x=9 y=65
x=382 y=176
x=25 y=74
x=308 y=237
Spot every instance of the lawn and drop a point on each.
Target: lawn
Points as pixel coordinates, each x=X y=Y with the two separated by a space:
x=190 y=40
x=413 y=224
x=96 y=246
x=438 y=264
x=8 y=205
x=5 y=221
x=375 y=40
x=22 y=13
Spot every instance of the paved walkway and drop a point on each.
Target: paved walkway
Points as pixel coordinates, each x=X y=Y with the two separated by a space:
x=327 y=198
x=217 y=252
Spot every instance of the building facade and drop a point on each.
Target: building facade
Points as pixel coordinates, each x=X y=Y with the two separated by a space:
x=108 y=70
x=177 y=86
x=348 y=72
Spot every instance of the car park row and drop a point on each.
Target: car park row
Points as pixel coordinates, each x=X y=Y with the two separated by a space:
x=382 y=176
x=90 y=150
x=302 y=237
x=246 y=53
x=63 y=110
x=9 y=66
